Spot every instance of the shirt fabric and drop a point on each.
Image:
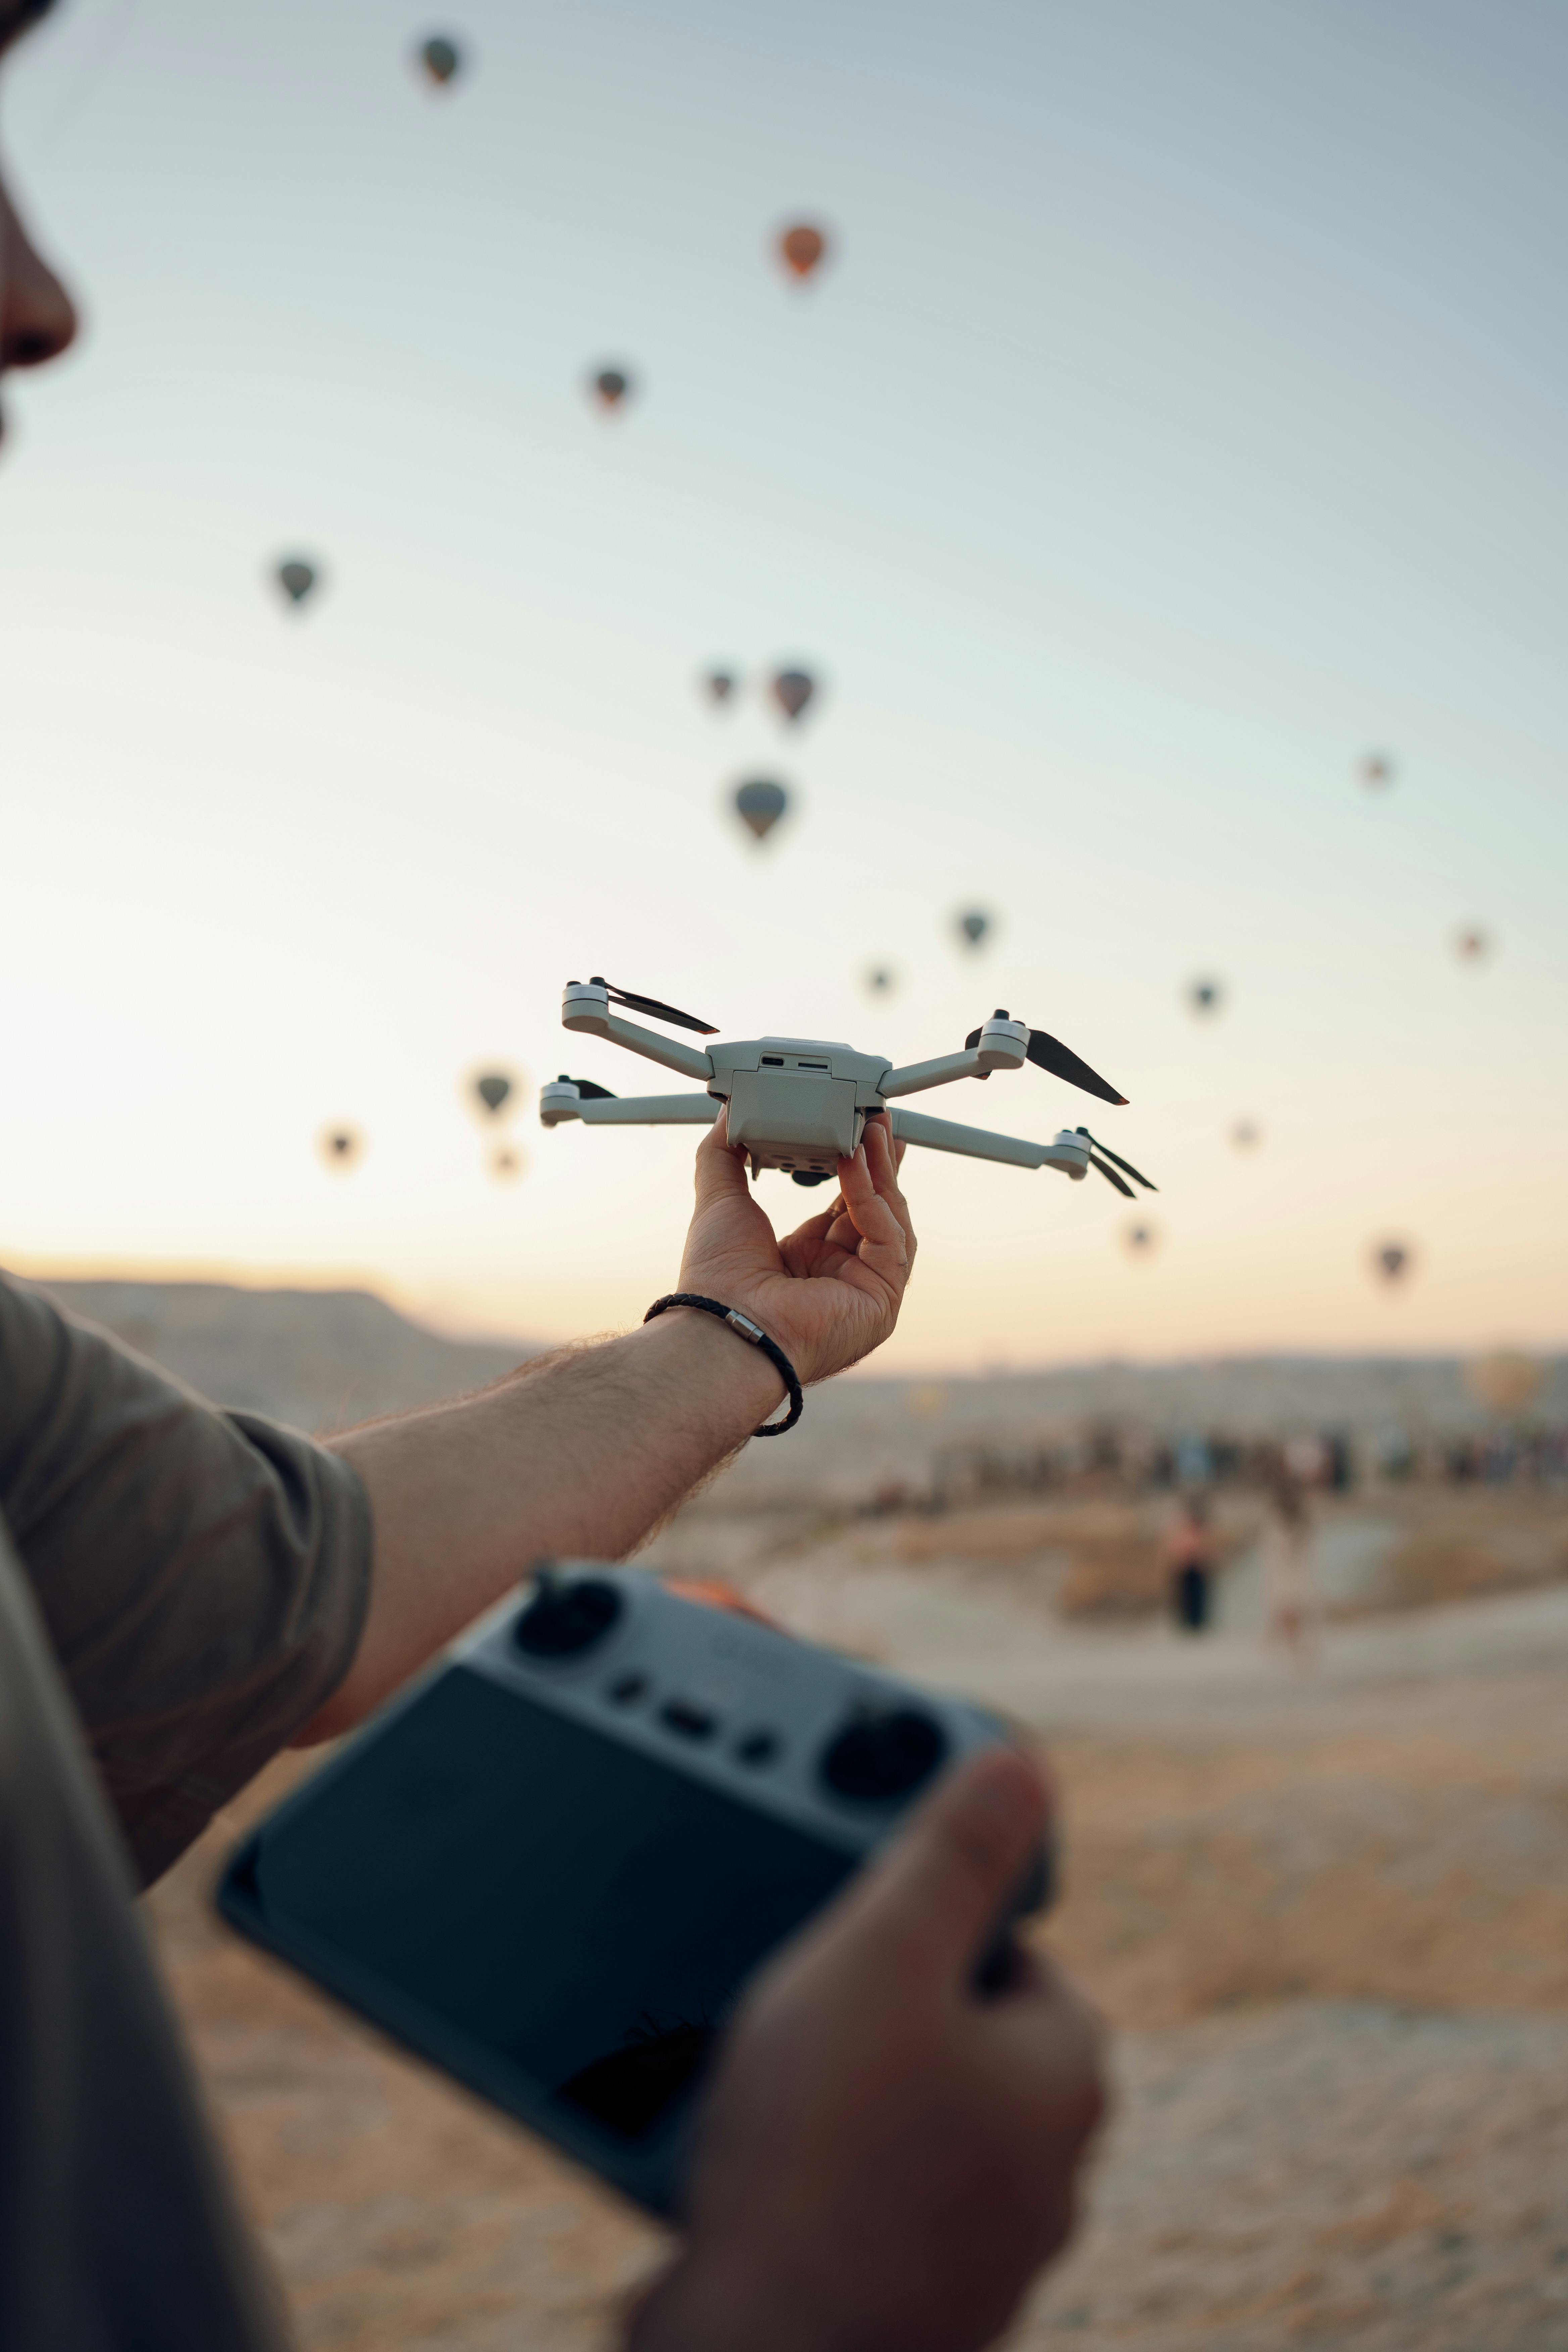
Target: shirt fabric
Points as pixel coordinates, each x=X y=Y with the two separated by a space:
x=180 y=1589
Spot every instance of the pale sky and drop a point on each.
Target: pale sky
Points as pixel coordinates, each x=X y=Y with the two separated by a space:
x=1181 y=416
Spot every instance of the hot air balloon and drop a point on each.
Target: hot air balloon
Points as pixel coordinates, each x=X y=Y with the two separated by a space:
x=1471 y=945
x=1205 y=997
x=1376 y=769
x=441 y=57
x=1141 y=1239
x=340 y=1146
x=610 y=386
x=1391 y=1260
x=506 y=1165
x=801 y=249
x=718 y=685
x=974 y=925
x=1506 y=1382
x=1245 y=1136
x=760 y=805
x=296 y=578
x=493 y=1088
x=880 y=980
x=792 y=690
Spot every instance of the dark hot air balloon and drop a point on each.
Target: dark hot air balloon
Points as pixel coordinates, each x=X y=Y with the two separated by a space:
x=492 y=1087
x=1246 y=1135
x=1472 y=945
x=296 y=578
x=441 y=59
x=1205 y=997
x=760 y=805
x=1376 y=770
x=880 y=979
x=1391 y=1260
x=340 y=1146
x=611 y=386
x=792 y=690
x=718 y=685
x=801 y=249
x=1141 y=1239
x=973 y=926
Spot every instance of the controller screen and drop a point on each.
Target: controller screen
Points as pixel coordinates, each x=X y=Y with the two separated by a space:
x=585 y=1912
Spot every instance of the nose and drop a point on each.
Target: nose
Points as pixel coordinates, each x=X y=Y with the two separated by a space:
x=38 y=318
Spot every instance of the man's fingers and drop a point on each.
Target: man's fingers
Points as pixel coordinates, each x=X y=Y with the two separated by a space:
x=884 y=1158
x=721 y=1173
x=927 y=1908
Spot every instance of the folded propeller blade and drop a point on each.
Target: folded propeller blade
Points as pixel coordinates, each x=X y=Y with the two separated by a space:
x=588 y=1090
x=1126 y=1165
x=1111 y=1176
x=1050 y=1053
x=651 y=1004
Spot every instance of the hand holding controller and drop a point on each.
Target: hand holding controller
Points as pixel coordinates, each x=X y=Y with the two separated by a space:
x=885 y=2160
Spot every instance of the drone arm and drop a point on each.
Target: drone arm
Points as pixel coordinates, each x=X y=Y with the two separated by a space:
x=1069 y=1152
x=638 y=1040
x=915 y=1076
x=561 y=1101
x=651 y=1110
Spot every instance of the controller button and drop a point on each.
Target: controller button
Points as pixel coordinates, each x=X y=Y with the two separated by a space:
x=562 y=1618
x=757 y=1748
x=627 y=1689
x=882 y=1756
x=691 y=1722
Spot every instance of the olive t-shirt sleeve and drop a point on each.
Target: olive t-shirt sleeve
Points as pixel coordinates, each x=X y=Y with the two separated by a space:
x=203 y=1575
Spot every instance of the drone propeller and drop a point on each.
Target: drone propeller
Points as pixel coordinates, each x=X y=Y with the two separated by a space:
x=587 y=1089
x=1048 y=1053
x=1111 y=1176
x=1125 y=1165
x=651 y=1004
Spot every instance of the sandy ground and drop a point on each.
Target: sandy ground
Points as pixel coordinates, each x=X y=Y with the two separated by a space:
x=1327 y=1913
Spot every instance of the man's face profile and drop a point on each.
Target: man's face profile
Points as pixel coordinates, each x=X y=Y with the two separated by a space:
x=38 y=321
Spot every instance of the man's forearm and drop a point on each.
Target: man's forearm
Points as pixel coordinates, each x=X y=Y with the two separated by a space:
x=580 y=1455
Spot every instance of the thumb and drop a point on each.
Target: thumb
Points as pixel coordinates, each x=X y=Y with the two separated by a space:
x=720 y=1172
x=930 y=1905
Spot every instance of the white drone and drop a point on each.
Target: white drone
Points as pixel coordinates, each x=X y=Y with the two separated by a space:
x=800 y=1104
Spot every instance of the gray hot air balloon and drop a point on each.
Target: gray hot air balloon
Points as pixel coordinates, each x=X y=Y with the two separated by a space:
x=493 y=1088
x=760 y=805
x=1141 y=1239
x=1246 y=1135
x=611 y=386
x=340 y=1146
x=718 y=685
x=296 y=578
x=974 y=925
x=441 y=59
x=792 y=690
x=1376 y=770
x=880 y=980
x=1391 y=1260
x=1205 y=997
x=1472 y=945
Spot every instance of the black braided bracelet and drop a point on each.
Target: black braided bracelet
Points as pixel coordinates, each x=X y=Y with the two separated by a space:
x=758 y=1338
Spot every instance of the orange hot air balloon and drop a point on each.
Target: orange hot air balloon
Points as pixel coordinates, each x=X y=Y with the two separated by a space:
x=1471 y=944
x=801 y=249
x=1376 y=770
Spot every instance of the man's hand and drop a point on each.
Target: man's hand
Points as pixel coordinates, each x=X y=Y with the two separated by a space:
x=830 y=1293
x=886 y=2160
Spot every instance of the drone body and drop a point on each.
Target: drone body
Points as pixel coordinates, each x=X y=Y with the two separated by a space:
x=800 y=1104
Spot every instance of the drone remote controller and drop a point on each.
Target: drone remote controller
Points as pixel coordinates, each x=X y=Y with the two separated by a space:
x=800 y=1104
x=552 y=1864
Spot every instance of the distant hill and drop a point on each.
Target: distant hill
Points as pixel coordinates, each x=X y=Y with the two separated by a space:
x=322 y=1360
x=319 y=1360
